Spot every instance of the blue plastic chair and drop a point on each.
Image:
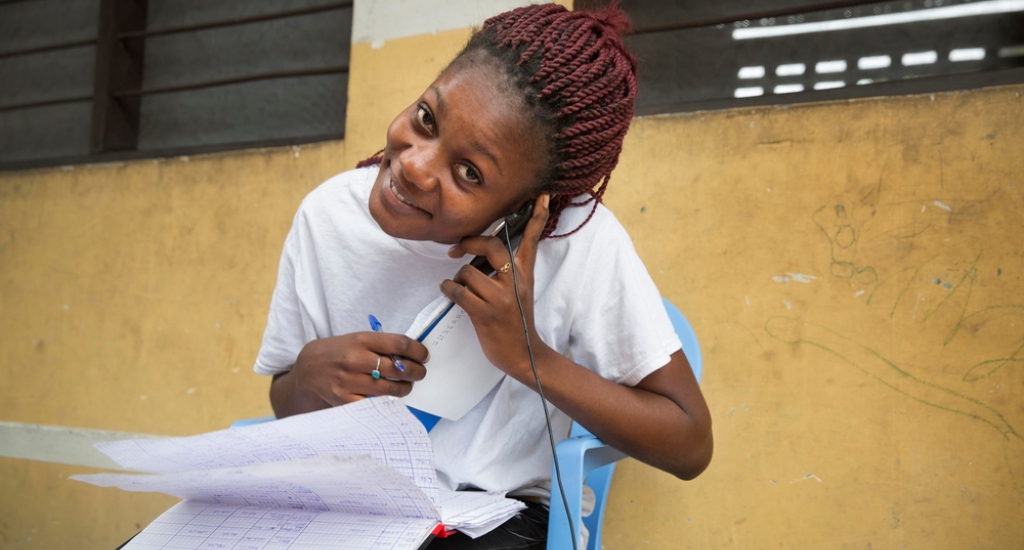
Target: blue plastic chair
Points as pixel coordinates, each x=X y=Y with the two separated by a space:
x=584 y=459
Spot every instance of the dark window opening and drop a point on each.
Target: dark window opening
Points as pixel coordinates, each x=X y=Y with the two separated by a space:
x=703 y=55
x=97 y=80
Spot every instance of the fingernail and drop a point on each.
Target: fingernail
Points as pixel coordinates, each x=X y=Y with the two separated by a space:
x=427 y=360
x=451 y=250
x=547 y=199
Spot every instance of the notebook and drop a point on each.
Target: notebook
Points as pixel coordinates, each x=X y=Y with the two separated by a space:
x=356 y=476
x=458 y=374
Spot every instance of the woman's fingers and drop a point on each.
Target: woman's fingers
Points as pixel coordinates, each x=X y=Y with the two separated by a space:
x=526 y=255
x=367 y=388
x=462 y=296
x=409 y=353
x=411 y=371
x=491 y=248
x=394 y=388
x=388 y=343
x=341 y=369
x=494 y=248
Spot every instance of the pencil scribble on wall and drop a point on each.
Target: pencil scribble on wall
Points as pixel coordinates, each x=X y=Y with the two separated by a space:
x=917 y=273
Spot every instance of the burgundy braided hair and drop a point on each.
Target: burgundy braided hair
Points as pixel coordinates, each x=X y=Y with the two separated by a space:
x=577 y=79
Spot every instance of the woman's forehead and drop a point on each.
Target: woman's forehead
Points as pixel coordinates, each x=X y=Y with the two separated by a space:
x=472 y=103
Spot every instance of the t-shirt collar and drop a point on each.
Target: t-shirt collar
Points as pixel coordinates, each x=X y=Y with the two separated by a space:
x=429 y=249
x=433 y=249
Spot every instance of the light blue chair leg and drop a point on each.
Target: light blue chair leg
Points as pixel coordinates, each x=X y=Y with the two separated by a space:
x=581 y=457
x=585 y=459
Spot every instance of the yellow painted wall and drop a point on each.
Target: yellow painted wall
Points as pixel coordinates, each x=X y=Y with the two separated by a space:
x=879 y=404
x=133 y=297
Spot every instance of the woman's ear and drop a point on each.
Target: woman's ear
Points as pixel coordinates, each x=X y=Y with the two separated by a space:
x=529 y=199
x=525 y=205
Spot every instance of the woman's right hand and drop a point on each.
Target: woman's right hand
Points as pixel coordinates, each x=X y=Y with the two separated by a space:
x=337 y=370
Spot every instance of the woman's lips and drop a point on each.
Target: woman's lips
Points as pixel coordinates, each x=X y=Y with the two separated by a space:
x=393 y=189
x=400 y=196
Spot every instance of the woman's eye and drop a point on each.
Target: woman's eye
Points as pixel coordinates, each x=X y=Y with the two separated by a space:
x=469 y=173
x=425 y=118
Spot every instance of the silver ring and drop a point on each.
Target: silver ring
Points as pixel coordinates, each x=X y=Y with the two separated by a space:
x=376 y=370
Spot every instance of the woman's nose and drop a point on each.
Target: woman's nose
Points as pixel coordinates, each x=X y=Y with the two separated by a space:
x=420 y=167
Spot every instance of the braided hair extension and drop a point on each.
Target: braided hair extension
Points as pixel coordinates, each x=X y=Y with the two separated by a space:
x=578 y=81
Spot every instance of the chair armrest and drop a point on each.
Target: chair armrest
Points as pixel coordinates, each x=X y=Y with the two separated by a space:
x=578 y=457
x=252 y=421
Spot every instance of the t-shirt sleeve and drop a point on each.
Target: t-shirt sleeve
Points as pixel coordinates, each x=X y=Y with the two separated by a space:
x=288 y=327
x=620 y=328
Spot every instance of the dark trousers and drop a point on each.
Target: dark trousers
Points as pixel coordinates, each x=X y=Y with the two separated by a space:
x=528 y=530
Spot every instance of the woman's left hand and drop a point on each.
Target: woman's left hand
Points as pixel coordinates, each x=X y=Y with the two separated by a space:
x=491 y=301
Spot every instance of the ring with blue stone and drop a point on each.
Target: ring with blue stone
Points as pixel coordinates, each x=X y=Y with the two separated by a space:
x=376 y=370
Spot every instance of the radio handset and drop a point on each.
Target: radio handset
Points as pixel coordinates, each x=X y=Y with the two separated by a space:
x=516 y=225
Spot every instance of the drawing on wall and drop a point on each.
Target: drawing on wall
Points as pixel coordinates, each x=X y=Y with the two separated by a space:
x=919 y=278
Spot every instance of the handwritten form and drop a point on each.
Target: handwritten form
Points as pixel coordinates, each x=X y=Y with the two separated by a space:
x=358 y=476
x=193 y=524
x=459 y=375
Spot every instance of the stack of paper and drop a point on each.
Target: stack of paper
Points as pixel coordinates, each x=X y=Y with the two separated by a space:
x=358 y=476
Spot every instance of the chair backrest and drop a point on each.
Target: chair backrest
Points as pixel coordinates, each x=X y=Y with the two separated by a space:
x=689 y=338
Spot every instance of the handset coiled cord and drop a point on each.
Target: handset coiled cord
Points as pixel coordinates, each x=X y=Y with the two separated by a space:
x=540 y=390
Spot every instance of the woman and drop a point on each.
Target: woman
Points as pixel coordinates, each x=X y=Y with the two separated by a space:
x=534 y=109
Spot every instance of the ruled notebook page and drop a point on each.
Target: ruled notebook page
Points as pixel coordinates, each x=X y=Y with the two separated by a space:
x=192 y=524
x=459 y=375
x=357 y=476
x=381 y=427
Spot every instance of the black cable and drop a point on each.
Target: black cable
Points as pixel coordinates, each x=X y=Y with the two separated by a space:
x=540 y=390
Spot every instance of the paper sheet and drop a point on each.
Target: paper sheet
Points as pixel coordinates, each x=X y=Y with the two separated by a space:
x=381 y=427
x=476 y=513
x=354 y=484
x=351 y=487
x=458 y=375
x=201 y=525
x=357 y=476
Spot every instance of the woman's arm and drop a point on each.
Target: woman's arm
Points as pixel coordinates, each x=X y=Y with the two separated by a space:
x=663 y=420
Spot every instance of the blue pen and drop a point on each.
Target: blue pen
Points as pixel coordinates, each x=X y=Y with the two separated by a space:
x=376 y=327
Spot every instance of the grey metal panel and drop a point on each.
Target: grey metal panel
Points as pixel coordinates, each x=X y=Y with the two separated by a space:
x=45 y=22
x=267 y=111
x=45 y=132
x=253 y=111
x=175 y=13
x=55 y=130
x=308 y=41
x=649 y=13
x=696 y=65
x=47 y=75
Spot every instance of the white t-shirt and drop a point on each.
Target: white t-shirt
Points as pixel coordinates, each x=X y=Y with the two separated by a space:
x=594 y=300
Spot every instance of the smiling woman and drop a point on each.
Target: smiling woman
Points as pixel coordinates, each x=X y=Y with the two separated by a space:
x=460 y=157
x=533 y=110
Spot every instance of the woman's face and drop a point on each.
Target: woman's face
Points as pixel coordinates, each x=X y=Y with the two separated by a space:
x=460 y=157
